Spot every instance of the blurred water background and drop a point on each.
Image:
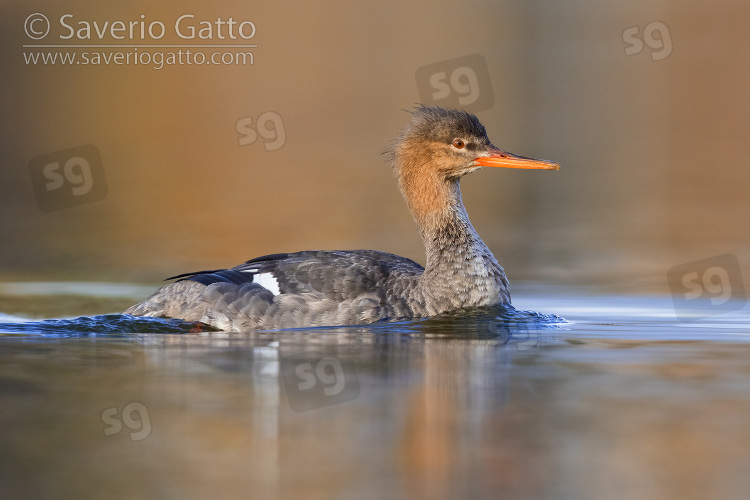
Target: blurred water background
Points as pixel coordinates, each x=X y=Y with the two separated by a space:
x=651 y=144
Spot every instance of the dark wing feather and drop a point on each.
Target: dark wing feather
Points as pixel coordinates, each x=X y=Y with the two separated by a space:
x=183 y=276
x=217 y=276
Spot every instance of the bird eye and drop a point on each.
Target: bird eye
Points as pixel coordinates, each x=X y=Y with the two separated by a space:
x=459 y=143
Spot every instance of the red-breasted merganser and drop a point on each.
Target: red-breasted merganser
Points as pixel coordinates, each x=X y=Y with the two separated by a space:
x=330 y=288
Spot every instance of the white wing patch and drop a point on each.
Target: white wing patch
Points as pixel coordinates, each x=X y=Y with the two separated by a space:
x=267 y=281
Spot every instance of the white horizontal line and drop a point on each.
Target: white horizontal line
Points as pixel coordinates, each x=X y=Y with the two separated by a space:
x=136 y=46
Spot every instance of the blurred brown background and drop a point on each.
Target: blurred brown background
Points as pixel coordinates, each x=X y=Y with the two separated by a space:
x=651 y=144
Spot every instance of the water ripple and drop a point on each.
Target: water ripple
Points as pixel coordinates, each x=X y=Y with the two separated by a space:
x=484 y=322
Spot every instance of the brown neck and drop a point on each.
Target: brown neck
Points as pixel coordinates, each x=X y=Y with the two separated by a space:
x=429 y=197
x=460 y=270
x=449 y=238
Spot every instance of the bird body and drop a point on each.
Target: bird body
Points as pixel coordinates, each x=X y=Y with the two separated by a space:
x=328 y=288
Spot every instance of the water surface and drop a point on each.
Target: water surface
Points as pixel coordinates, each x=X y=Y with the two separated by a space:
x=622 y=400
